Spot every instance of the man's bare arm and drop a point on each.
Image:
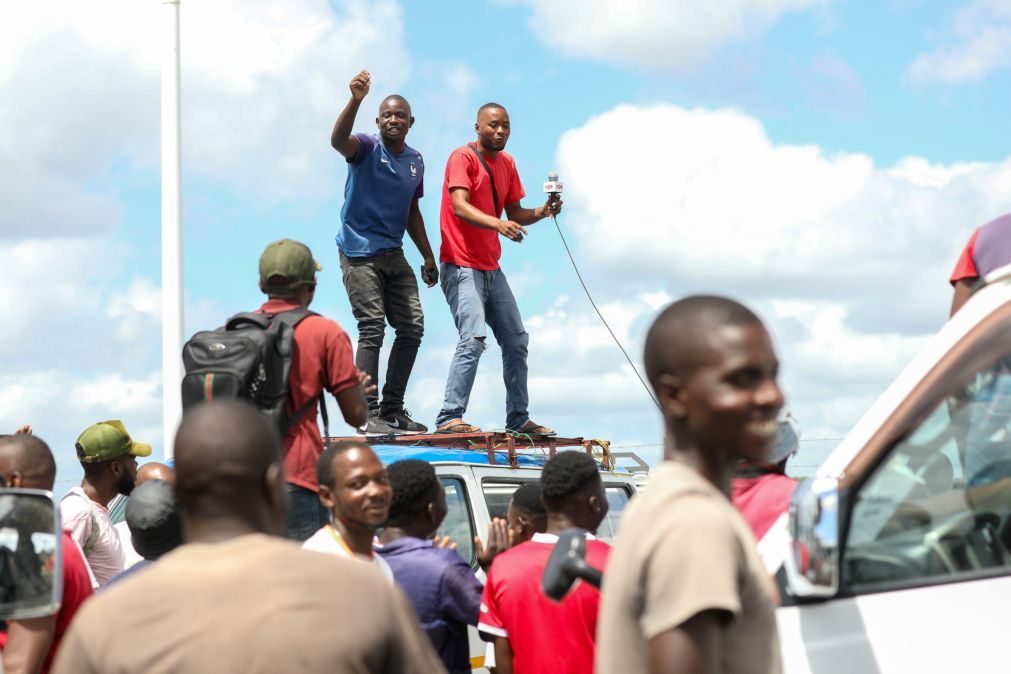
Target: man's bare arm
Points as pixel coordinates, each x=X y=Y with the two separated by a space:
x=341 y=138
x=691 y=648
x=963 y=290
x=28 y=644
x=470 y=213
x=503 y=656
x=416 y=228
x=528 y=216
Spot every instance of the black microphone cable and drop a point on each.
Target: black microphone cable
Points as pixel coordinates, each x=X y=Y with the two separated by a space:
x=600 y=315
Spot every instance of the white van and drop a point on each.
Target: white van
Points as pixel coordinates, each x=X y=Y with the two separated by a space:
x=898 y=550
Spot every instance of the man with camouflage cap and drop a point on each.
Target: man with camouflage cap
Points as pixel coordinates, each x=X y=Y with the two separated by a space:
x=109 y=457
x=322 y=359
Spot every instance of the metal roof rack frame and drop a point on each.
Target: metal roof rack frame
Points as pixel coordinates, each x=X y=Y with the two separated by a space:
x=492 y=442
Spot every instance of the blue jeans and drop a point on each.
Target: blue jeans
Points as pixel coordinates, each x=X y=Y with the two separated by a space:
x=475 y=298
x=306 y=515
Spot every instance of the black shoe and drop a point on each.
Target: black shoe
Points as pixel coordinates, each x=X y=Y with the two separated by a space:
x=401 y=422
x=375 y=426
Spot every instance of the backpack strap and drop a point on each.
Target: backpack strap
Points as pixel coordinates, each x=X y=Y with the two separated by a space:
x=491 y=178
x=291 y=318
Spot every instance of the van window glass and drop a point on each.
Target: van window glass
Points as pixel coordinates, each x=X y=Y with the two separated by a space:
x=939 y=504
x=617 y=501
x=497 y=494
x=458 y=525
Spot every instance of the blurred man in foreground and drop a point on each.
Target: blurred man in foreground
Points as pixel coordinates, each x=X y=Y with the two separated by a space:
x=687 y=590
x=235 y=598
x=26 y=462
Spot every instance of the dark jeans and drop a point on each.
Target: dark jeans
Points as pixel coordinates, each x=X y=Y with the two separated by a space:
x=306 y=515
x=383 y=288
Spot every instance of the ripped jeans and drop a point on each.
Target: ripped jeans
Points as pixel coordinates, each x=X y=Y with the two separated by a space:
x=475 y=298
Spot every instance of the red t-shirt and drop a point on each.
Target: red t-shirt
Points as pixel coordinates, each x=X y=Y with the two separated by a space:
x=76 y=588
x=464 y=244
x=965 y=268
x=321 y=359
x=544 y=636
x=761 y=500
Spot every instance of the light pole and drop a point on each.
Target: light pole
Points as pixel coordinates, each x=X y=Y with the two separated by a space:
x=171 y=230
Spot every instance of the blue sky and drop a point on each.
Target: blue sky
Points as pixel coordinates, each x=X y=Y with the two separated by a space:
x=823 y=161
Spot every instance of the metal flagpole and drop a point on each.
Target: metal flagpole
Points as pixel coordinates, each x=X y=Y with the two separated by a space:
x=171 y=230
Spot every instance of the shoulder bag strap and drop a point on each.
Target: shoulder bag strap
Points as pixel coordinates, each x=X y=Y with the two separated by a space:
x=491 y=178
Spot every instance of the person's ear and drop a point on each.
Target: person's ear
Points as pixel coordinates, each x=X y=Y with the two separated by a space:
x=326 y=497
x=377 y=121
x=116 y=467
x=410 y=124
x=670 y=391
x=16 y=481
x=477 y=127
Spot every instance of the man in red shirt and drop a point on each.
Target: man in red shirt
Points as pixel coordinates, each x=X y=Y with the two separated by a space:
x=530 y=632
x=321 y=360
x=27 y=462
x=762 y=491
x=481 y=180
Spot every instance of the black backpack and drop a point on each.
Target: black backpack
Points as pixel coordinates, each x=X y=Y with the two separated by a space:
x=249 y=358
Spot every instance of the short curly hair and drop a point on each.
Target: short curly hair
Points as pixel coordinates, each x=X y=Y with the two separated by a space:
x=414 y=485
x=528 y=498
x=565 y=476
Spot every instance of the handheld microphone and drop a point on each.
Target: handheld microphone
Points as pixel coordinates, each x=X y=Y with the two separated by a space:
x=553 y=187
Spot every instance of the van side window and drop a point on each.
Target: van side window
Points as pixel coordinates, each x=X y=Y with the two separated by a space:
x=617 y=501
x=458 y=525
x=938 y=505
x=497 y=494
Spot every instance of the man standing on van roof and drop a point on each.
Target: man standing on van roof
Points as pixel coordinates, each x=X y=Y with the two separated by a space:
x=481 y=180
x=321 y=359
x=686 y=590
x=384 y=183
x=108 y=456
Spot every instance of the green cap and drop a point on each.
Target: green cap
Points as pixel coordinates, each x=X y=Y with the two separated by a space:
x=107 y=440
x=291 y=260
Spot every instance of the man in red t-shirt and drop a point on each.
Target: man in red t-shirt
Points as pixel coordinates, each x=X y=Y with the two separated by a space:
x=481 y=180
x=27 y=462
x=530 y=632
x=321 y=360
x=761 y=492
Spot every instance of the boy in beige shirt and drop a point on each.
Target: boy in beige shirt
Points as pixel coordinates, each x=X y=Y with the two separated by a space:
x=686 y=590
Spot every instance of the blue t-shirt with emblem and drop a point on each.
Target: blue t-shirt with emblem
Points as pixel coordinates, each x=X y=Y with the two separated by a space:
x=377 y=197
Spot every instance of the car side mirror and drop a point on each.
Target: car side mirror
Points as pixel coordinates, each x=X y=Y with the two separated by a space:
x=567 y=564
x=812 y=566
x=31 y=562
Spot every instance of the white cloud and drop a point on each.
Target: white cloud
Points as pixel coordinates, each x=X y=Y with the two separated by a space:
x=653 y=34
x=262 y=83
x=978 y=43
x=846 y=260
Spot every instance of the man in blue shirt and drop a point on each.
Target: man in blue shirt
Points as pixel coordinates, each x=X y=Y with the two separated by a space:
x=385 y=181
x=439 y=584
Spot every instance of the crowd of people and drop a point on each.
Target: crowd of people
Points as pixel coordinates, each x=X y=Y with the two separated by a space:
x=216 y=587
x=200 y=577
